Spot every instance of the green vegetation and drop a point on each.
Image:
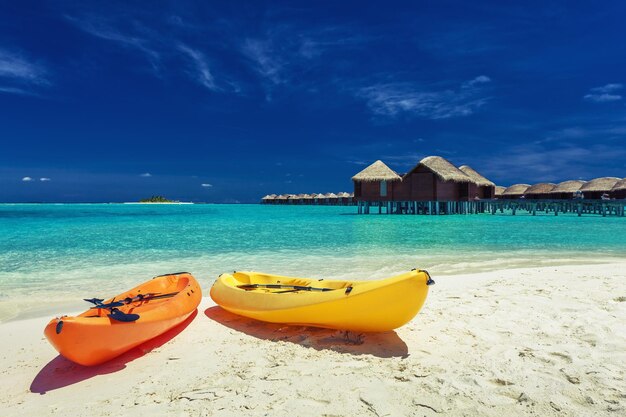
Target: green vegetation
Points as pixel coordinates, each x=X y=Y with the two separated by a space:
x=156 y=199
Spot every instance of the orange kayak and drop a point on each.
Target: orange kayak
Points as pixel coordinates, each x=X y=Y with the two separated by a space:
x=112 y=327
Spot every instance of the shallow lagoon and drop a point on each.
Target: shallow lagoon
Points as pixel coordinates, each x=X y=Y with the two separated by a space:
x=59 y=253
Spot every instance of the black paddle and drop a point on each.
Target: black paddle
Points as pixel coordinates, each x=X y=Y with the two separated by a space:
x=279 y=286
x=124 y=317
x=118 y=315
x=141 y=297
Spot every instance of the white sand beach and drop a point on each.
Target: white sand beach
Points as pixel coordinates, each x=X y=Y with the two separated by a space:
x=547 y=341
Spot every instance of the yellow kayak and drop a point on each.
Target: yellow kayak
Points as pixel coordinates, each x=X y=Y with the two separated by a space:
x=365 y=306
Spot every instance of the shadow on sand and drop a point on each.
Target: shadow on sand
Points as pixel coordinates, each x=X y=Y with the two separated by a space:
x=382 y=345
x=61 y=372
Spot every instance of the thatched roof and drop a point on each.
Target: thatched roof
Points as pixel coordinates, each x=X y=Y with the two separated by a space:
x=331 y=195
x=318 y=195
x=307 y=196
x=442 y=168
x=475 y=176
x=282 y=197
x=269 y=197
x=619 y=185
x=516 y=189
x=567 y=186
x=541 y=188
x=499 y=189
x=600 y=184
x=378 y=171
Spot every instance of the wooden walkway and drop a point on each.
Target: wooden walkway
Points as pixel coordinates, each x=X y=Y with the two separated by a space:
x=594 y=207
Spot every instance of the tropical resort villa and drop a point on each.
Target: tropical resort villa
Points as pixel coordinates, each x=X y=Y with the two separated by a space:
x=436 y=186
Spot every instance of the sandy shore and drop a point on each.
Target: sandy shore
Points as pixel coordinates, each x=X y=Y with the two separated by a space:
x=544 y=341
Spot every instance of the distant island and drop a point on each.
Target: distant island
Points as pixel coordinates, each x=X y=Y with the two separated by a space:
x=157 y=199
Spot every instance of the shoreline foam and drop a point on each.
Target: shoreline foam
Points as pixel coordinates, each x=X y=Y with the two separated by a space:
x=50 y=298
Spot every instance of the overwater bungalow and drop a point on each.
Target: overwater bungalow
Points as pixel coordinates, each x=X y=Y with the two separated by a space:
x=341 y=198
x=320 y=198
x=514 y=191
x=268 y=199
x=332 y=199
x=481 y=186
x=540 y=191
x=344 y=198
x=565 y=190
x=595 y=188
x=498 y=191
x=434 y=179
x=376 y=183
x=618 y=191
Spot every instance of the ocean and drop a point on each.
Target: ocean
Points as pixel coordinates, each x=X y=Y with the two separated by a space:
x=53 y=255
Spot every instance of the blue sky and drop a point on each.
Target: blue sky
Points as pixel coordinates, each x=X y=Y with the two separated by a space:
x=228 y=101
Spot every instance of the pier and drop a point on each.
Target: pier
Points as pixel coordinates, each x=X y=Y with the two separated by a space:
x=533 y=207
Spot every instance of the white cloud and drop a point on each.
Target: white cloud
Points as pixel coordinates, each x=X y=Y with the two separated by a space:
x=16 y=90
x=266 y=63
x=315 y=43
x=207 y=185
x=604 y=94
x=536 y=163
x=358 y=161
x=481 y=79
x=202 y=72
x=102 y=29
x=159 y=49
x=15 y=66
x=393 y=99
x=608 y=88
x=603 y=98
x=20 y=73
x=146 y=175
x=284 y=53
x=44 y=179
x=27 y=179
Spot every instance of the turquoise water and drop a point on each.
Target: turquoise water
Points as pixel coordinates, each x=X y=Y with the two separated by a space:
x=62 y=253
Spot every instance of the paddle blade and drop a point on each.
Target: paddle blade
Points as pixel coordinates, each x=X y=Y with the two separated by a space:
x=95 y=301
x=123 y=317
x=109 y=305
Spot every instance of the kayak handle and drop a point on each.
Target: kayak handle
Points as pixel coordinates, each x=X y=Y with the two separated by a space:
x=430 y=280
